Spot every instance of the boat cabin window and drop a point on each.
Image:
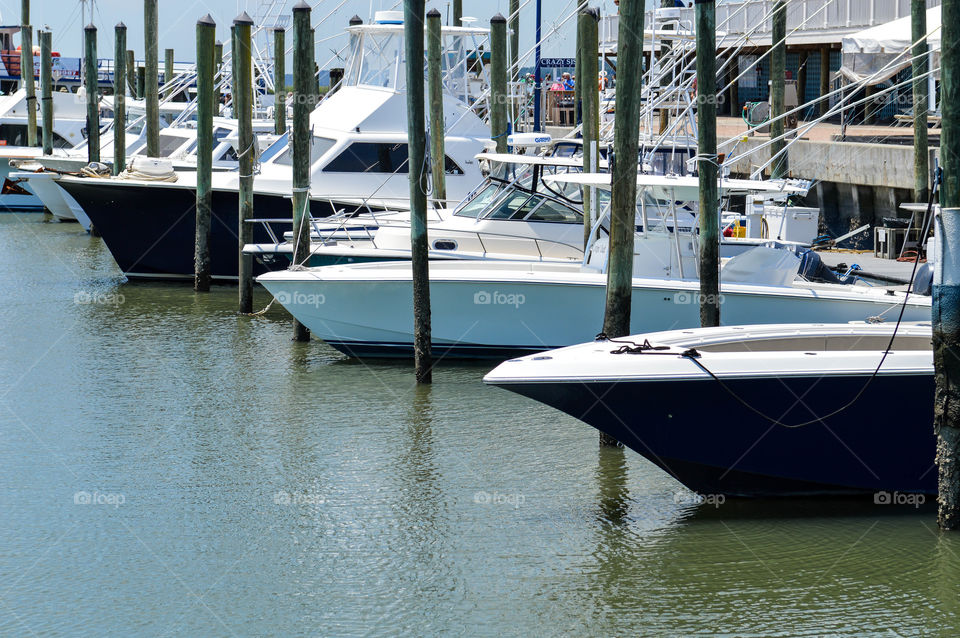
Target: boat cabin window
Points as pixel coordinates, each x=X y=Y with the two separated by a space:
x=16 y=135
x=499 y=201
x=169 y=144
x=370 y=157
x=565 y=149
x=551 y=211
x=516 y=205
x=318 y=147
x=278 y=146
x=476 y=204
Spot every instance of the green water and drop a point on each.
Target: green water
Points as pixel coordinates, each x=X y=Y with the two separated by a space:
x=245 y=485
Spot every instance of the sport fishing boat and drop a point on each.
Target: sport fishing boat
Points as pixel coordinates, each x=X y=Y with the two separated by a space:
x=69 y=129
x=358 y=161
x=496 y=309
x=512 y=214
x=780 y=410
x=177 y=144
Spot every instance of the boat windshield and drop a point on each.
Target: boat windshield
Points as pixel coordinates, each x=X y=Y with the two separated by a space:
x=514 y=199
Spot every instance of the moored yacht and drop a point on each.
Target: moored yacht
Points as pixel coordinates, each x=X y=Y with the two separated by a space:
x=178 y=145
x=359 y=161
x=511 y=214
x=69 y=128
x=500 y=308
x=779 y=410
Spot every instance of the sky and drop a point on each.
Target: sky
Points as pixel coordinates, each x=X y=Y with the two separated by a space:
x=178 y=20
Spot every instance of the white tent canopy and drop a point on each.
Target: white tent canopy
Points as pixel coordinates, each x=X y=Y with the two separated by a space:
x=864 y=54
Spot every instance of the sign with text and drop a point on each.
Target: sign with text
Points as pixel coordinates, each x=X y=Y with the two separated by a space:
x=558 y=62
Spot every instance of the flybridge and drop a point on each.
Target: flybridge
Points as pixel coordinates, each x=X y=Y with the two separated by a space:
x=375 y=55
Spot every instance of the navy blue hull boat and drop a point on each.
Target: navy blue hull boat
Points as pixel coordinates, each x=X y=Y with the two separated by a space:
x=755 y=411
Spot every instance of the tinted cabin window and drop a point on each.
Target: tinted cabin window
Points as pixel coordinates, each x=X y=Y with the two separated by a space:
x=170 y=143
x=364 y=157
x=16 y=135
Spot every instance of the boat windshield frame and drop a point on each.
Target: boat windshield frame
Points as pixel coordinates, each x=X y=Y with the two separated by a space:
x=507 y=189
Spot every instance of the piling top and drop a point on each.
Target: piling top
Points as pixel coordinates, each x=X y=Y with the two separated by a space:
x=498 y=18
x=301 y=6
x=90 y=27
x=206 y=21
x=121 y=26
x=279 y=30
x=243 y=18
x=355 y=20
x=433 y=13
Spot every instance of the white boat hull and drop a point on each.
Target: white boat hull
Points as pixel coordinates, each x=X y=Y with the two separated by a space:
x=508 y=308
x=56 y=200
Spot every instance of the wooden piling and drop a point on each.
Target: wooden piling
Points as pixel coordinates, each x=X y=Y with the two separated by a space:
x=946 y=279
x=24 y=12
x=499 y=98
x=623 y=205
x=413 y=21
x=705 y=17
x=141 y=82
x=218 y=65
x=131 y=74
x=438 y=158
x=589 y=79
x=778 y=72
x=119 y=97
x=458 y=13
x=27 y=79
x=167 y=70
x=824 y=78
x=46 y=90
x=279 y=81
x=303 y=82
x=243 y=111
x=150 y=66
x=90 y=80
x=921 y=101
x=206 y=34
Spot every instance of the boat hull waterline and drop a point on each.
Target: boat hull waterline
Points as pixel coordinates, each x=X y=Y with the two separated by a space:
x=504 y=316
x=715 y=445
x=154 y=237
